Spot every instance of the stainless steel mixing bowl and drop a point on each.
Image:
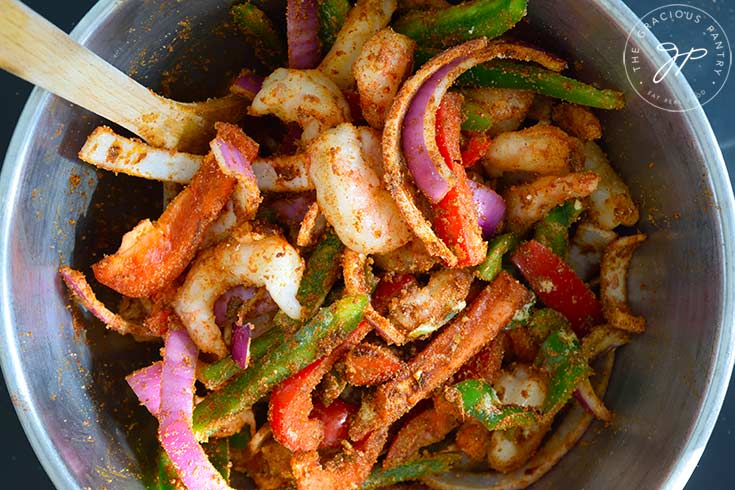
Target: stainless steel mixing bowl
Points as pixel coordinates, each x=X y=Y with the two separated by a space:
x=66 y=382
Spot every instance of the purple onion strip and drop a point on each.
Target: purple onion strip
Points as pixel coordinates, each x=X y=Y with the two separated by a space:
x=490 y=208
x=302 y=31
x=146 y=383
x=175 y=417
x=241 y=335
x=417 y=128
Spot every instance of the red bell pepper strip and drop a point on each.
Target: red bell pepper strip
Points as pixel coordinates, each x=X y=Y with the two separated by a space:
x=388 y=288
x=290 y=405
x=476 y=148
x=334 y=419
x=558 y=286
x=369 y=365
x=455 y=216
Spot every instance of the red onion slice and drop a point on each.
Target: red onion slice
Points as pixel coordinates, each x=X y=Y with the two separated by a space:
x=146 y=383
x=418 y=137
x=490 y=207
x=241 y=335
x=82 y=292
x=231 y=159
x=247 y=84
x=292 y=210
x=220 y=306
x=589 y=400
x=175 y=417
x=302 y=31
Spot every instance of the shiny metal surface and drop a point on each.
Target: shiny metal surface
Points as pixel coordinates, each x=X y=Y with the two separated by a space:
x=67 y=384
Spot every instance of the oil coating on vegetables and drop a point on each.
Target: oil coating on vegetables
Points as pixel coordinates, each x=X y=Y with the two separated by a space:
x=398 y=261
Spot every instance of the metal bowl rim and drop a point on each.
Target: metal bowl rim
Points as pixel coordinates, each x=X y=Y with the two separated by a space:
x=697 y=122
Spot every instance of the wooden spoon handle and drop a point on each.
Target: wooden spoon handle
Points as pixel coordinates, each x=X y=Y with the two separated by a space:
x=39 y=52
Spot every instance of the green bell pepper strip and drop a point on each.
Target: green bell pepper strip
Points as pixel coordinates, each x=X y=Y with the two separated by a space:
x=329 y=327
x=332 y=15
x=322 y=271
x=545 y=321
x=218 y=451
x=509 y=74
x=261 y=34
x=561 y=356
x=216 y=374
x=241 y=439
x=528 y=76
x=553 y=230
x=412 y=470
x=476 y=118
x=165 y=477
x=488 y=269
x=478 y=399
x=462 y=22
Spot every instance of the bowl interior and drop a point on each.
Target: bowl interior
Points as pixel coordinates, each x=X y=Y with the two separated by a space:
x=67 y=378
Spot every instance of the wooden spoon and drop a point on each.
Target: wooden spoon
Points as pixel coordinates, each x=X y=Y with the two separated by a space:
x=37 y=51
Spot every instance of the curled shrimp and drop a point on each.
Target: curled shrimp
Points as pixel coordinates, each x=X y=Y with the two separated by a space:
x=245 y=258
x=507 y=108
x=365 y=19
x=611 y=204
x=542 y=149
x=384 y=62
x=346 y=169
x=528 y=203
x=306 y=97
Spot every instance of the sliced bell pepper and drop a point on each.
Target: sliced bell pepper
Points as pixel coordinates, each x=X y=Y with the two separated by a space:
x=322 y=270
x=509 y=74
x=369 y=365
x=332 y=15
x=478 y=399
x=327 y=329
x=462 y=22
x=290 y=405
x=455 y=216
x=476 y=118
x=558 y=286
x=412 y=470
x=553 y=230
x=261 y=34
x=388 y=288
x=560 y=355
x=218 y=451
x=496 y=250
x=335 y=419
x=545 y=321
x=476 y=148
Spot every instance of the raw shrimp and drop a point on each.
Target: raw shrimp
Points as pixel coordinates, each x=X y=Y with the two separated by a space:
x=611 y=204
x=412 y=258
x=505 y=107
x=346 y=169
x=528 y=203
x=245 y=258
x=384 y=62
x=306 y=97
x=365 y=19
x=542 y=149
x=577 y=120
